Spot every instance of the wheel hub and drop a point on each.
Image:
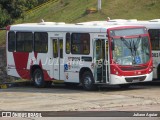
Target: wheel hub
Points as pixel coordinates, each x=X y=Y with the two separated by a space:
x=87 y=81
x=38 y=78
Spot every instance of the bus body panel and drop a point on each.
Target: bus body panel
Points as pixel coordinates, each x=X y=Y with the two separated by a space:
x=70 y=67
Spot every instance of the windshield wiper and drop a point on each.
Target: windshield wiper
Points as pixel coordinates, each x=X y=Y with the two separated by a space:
x=129 y=46
x=133 y=46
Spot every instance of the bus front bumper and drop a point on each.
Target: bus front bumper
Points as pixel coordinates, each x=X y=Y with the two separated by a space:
x=114 y=79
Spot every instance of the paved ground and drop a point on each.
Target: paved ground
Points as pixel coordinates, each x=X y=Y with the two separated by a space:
x=139 y=97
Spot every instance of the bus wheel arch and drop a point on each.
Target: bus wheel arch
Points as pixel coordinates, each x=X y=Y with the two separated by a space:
x=33 y=68
x=38 y=77
x=87 y=80
x=82 y=70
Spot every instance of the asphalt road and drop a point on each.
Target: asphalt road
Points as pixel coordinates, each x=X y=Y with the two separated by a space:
x=140 y=97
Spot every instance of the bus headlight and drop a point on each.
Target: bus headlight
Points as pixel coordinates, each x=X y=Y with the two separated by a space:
x=150 y=69
x=115 y=70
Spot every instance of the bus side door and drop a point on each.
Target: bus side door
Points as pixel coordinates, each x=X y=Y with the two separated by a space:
x=101 y=73
x=58 y=65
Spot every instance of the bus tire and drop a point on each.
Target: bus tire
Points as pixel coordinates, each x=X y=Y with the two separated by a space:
x=88 y=81
x=38 y=78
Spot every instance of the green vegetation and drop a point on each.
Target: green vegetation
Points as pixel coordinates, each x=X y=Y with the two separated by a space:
x=72 y=11
x=14 y=9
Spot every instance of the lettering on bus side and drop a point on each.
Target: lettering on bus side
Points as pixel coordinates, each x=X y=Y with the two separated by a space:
x=155 y=54
x=74 y=58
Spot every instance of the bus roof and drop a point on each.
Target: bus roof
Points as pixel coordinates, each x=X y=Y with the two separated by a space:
x=155 y=23
x=61 y=27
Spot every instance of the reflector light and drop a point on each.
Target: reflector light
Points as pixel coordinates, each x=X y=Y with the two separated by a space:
x=8 y=28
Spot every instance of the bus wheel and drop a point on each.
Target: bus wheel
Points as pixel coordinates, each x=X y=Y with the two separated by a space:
x=38 y=78
x=88 y=81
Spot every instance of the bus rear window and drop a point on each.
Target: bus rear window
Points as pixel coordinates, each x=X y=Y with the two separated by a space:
x=11 y=41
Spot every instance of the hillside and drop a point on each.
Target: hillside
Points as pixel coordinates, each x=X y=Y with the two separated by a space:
x=72 y=11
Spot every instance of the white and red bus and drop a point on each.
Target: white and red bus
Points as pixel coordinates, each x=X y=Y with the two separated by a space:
x=90 y=55
x=153 y=27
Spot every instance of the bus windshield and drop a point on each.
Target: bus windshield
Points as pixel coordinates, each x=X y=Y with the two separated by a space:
x=131 y=51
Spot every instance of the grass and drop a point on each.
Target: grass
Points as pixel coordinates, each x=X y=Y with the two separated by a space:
x=72 y=11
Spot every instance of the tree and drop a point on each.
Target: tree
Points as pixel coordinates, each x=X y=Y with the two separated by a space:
x=31 y=3
x=14 y=9
x=5 y=18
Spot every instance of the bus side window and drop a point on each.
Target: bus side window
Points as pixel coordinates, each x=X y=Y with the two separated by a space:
x=107 y=49
x=24 y=41
x=41 y=42
x=55 y=48
x=68 y=45
x=155 y=38
x=11 y=41
x=85 y=47
x=98 y=50
x=80 y=43
x=61 y=48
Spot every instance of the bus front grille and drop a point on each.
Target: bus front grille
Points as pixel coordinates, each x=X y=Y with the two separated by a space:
x=132 y=79
x=133 y=68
